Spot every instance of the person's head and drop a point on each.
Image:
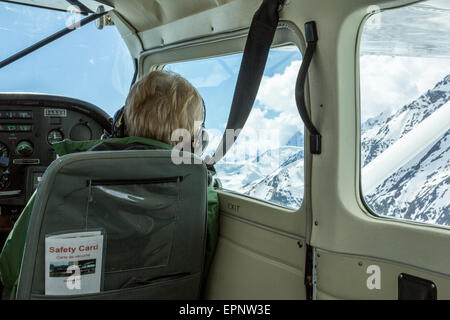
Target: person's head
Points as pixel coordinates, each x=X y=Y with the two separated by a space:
x=160 y=103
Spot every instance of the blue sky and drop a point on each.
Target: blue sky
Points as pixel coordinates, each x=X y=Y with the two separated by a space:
x=89 y=64
x=95 y=65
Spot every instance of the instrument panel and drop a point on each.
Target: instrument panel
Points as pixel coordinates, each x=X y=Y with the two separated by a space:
x=29 y=125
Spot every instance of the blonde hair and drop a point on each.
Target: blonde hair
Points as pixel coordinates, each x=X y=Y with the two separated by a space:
x=160 y=103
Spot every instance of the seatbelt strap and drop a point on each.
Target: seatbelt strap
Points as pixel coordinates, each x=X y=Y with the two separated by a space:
x=260 y=38
x=315 y=138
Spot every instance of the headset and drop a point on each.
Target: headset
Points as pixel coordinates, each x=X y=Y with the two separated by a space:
x=118 y=129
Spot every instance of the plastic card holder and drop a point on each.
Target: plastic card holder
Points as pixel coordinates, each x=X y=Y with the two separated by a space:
x=139 y=217
x=74 y=262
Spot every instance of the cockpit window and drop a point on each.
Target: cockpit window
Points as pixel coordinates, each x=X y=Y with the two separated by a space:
x=88 y=64
x=267 y=160
x=405 y=113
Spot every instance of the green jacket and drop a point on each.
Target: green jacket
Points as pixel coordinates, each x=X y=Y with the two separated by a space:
x=11 y=255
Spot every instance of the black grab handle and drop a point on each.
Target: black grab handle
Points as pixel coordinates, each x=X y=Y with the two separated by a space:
x=311 y=39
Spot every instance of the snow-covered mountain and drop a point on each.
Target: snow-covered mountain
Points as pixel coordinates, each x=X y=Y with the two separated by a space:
x=296 y=140
x=276 y=176
x=419 y=191
x=382 y=131
x=284 y=186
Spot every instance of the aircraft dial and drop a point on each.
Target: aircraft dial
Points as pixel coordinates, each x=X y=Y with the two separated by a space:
x=55 y=136
x=4 y=162
x=4 y=152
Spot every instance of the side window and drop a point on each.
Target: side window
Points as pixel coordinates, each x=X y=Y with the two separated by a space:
x=267 y=160
x=89 y=64
x=405 y=113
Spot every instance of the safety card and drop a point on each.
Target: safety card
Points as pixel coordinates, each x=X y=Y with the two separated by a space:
x=73 y=263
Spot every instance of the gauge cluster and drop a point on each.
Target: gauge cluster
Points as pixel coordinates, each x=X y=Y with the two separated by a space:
x=4 y=163
x=29 y=125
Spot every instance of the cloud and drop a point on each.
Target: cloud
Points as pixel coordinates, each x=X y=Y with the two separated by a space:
x=9 y=8
x=388 y=83
x=213 y=79
x=273 y=122
x=277 y=93
x=281 y=127
x=204 y=74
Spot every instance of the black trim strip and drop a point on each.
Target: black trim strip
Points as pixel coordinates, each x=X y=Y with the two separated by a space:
x=134 y=282
x=309 y=270
x=135 y=75
x=139 y=181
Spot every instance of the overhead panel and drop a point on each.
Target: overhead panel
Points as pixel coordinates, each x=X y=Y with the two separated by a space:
x=148 y=14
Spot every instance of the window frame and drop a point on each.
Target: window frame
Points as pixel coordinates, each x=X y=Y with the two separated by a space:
x=223 y=45
x=360 y=196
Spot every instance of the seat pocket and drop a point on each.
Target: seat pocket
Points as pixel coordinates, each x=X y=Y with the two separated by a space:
x=139 y=219
x=180 y=288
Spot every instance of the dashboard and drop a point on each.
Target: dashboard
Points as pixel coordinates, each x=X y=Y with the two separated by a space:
x=29 y=125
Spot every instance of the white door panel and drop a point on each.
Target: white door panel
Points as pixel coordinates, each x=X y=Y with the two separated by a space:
x=254 y=262
x=341 y=276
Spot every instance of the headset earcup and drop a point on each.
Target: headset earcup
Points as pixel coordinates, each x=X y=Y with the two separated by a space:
x=118 y=124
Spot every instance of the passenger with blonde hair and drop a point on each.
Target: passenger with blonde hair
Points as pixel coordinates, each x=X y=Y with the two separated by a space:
x=157 y=105
x=161 y=103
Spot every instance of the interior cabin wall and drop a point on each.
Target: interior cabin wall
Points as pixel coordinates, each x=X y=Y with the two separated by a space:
x=336 y=222
x=341 y=276
x=261 y=252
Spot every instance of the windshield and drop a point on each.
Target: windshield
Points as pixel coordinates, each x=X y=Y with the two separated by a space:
x=88 y=64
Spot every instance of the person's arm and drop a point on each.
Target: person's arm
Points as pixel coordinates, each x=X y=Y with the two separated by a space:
x=212 y=234
x=11 y=255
